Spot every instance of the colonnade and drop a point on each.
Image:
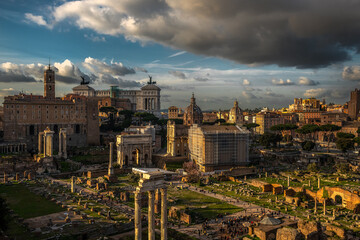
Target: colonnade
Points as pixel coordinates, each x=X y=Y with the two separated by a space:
x=45 y=144
x=151 y=214
x=13 y=147
x=151 y=104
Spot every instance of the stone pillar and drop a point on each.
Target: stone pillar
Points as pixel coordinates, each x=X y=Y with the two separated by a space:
x=266 y=174
x=17 y=176
x=137 y=215
x=164 y=218
x=151 y=217
x=324 y=206
x=5 y=178
x=309 y=182
x=44 y=150
x=39 y=143
x=319 y=183
x=315 y=208
x=111 y=169
x=64 y=144
x=60 y=144
x=288 y=181
x=72 y=184
x=157 y=201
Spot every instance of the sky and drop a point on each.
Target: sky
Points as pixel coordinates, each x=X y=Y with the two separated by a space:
x=261 y=53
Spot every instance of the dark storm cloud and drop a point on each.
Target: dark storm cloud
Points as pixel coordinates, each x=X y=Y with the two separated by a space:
x=304 y=34
x=11 y=77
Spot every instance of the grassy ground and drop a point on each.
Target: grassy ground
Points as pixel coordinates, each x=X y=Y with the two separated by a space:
x=25 y=203
x=172 y=166
x=199 y=205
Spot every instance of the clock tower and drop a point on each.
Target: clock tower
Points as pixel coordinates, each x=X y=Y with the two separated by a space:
x=49 y=83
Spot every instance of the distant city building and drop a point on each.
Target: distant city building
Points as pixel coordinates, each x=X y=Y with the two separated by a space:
x=193 y=113
x=175 y=113
x=266 y=120
x=306 y=105
x=218 y=147
x=210 y=117
x=147 y=99
x=25 y=116
x=177 y=139
x=236 y=114
x=354 y=104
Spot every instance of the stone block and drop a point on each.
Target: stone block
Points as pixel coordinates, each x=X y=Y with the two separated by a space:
x=287 y=233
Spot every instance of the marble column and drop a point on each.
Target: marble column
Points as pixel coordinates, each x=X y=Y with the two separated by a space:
x=60 y=143
x=72 y=184
x=44 y=139
x=151 y=217
x=315 y=208
x=164 y=218
x=288 y=180
x=319 y=183
x=64 y=145
x=137 y=215
x=111 y=169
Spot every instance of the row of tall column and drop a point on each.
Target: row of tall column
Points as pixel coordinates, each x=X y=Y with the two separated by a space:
x=151 y=215
x=151 y=104
x=45 y=143
x=13 y=148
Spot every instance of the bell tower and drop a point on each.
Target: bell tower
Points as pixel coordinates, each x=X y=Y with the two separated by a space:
x=49 y=83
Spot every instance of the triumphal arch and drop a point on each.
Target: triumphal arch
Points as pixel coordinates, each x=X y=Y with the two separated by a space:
x=134 y=150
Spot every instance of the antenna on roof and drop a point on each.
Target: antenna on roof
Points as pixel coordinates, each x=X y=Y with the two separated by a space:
x=49 y=62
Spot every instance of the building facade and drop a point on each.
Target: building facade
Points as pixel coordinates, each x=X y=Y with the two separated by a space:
x=147 y=99
x=354 y=104
x=218 y=147
x=266 y=120
x=177 y=139
x=25 y=116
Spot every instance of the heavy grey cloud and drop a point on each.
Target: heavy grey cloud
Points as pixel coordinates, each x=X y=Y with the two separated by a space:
x=304 y=34
x=351 y=73
x=201 y=79
x=178 y=74
x=66 y=72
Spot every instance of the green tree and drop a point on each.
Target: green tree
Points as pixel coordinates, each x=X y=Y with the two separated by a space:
x=357 y=141
x=268 y=139
x=283 y=128
x=146 y=117
x=312 y=167
x=329 y=128
x=309 y=130
x=344 y=144
x=308 y=145
x=345 y=135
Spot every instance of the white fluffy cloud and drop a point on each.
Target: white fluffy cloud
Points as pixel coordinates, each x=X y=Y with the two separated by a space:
x=307 y=82
x=246 y=82
x=316 y=92
x=351 y=73
x=36 y=19
x=282 y=82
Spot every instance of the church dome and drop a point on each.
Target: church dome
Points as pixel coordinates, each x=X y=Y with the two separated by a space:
x=235 y=113
x=193 y=113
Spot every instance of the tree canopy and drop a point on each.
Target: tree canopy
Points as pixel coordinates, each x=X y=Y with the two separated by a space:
x=345 y=135
x=251 y=125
